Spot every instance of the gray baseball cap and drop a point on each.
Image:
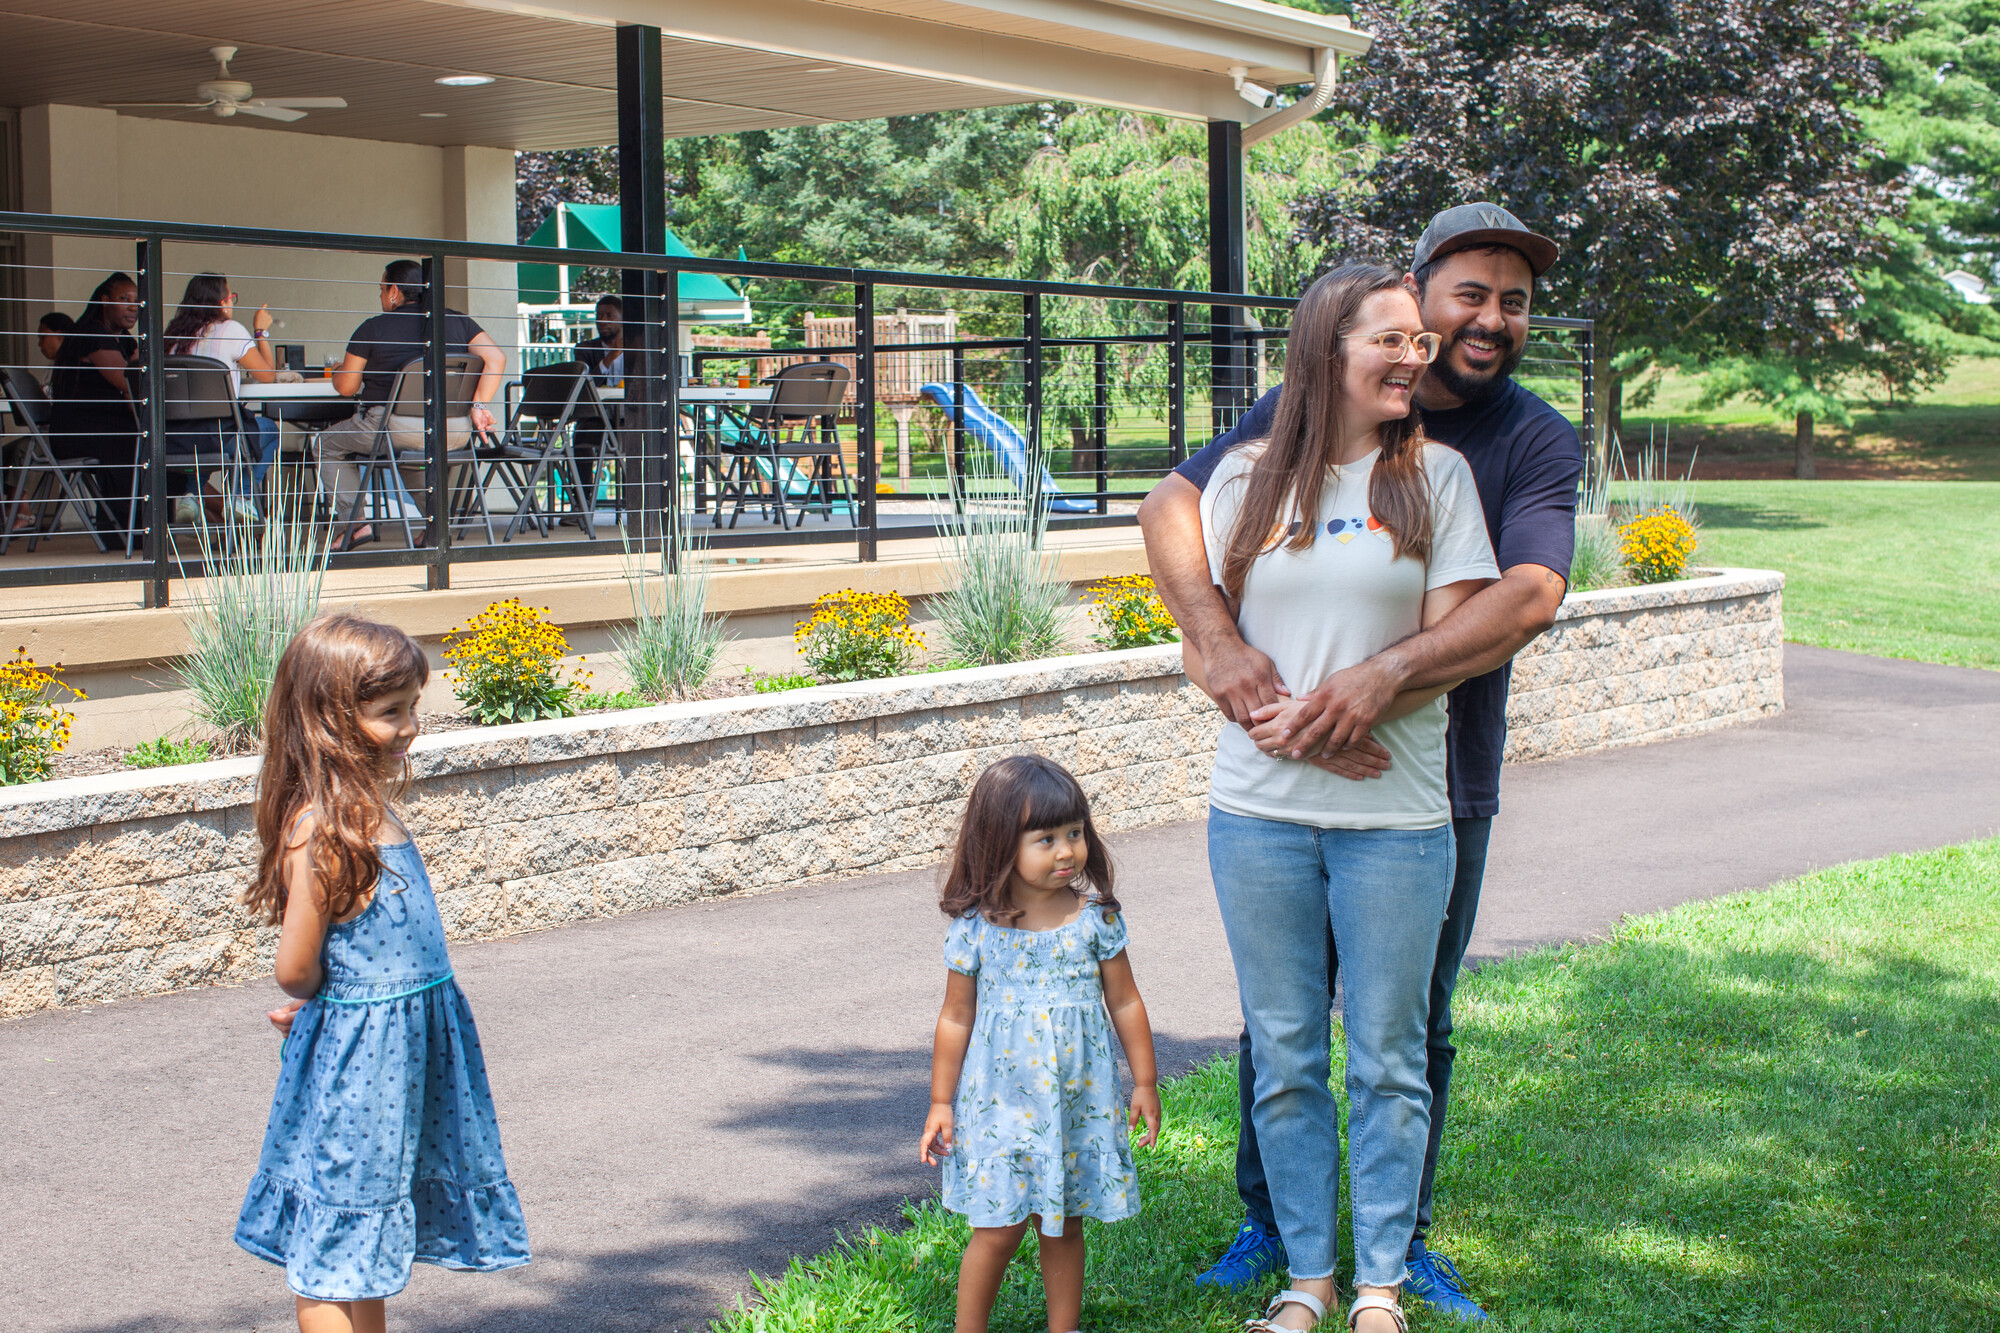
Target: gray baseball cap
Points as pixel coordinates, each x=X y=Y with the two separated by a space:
x=1468 y=225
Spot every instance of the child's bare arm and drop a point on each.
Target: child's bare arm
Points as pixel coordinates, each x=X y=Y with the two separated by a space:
x=954 y=1034
x=304 y=930
x=1135 y=1034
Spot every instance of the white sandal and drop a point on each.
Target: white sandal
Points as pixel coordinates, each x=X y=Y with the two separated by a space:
x=1263 y=1323
x=1374 y=1302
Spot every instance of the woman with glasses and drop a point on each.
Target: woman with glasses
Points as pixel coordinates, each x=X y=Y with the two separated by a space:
x=1342 y=533
x=206 y=325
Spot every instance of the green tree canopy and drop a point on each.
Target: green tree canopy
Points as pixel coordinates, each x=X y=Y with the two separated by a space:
x=1701 y=165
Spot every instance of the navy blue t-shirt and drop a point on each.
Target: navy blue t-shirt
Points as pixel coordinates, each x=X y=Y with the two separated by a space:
x=1525 y=459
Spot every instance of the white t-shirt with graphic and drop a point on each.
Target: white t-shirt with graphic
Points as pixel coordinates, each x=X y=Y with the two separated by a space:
x=227 y=341
x=1340 y=601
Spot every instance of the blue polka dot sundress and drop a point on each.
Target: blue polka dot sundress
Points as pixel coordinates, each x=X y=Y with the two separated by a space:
x=382 y=1147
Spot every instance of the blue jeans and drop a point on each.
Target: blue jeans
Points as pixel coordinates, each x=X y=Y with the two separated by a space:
x=1472 y=836
x=1288 y=892
x=268 y=438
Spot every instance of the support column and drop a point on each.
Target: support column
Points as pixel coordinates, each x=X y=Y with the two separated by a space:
x=650 y=342
x=1228 y=271
x=478 y=187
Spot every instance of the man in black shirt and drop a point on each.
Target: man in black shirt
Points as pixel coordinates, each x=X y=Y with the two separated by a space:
x=1474 y=275
x=376 y=351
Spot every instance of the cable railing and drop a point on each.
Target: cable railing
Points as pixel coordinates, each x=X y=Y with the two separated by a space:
x=429 y=434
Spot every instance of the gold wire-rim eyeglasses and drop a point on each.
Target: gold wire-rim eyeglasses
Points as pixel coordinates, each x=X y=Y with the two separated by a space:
x=1397 y=345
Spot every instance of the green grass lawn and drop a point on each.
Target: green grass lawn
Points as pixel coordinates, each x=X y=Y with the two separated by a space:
x=1894 y=568
x=1774 y=1111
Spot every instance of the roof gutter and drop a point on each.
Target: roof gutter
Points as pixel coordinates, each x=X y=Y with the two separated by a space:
x=1326 y=65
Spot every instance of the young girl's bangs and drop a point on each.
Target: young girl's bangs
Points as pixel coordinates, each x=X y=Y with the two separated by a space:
x=1053 y=800
x=396 y=664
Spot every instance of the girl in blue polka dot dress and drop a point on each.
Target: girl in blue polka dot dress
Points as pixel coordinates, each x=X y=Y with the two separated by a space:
x=382 y=1147
x=1025 y=1113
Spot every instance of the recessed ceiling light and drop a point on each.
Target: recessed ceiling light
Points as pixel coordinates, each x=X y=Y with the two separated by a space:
x=824 y=69
x=430 y=115
x=465 y=80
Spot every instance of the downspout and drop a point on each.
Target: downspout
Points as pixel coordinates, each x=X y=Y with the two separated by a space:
x=1325 y=67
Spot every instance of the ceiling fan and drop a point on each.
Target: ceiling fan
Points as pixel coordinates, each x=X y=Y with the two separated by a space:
x=231 y=97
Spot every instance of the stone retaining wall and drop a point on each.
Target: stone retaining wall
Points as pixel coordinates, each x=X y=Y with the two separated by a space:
x=127 y=884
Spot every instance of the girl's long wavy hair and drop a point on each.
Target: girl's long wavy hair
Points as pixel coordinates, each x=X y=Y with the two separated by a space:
x=1018 y=793
x=317 y=758
x=1282 y=489
x=201 y=306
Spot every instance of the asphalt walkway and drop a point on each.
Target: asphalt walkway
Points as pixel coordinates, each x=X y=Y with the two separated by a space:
x=691 y=1094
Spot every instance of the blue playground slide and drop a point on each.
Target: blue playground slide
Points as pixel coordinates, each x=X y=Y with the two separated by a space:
x=992 y=430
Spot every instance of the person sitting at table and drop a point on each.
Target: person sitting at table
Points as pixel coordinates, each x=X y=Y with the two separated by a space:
x=206 y=325
x=49 y=332
x=92 y=414
x=379 y=348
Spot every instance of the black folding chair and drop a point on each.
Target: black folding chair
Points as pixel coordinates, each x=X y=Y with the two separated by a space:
x=537 y=458
x=206 y=428
x=65 y=483
x=382 y=469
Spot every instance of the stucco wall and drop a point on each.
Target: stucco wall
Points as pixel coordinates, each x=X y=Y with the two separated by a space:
x=93 y=161
x=127 y=884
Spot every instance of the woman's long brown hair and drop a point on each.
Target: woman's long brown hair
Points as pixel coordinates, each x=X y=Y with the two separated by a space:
x=1015 y=794
x=317 y=758
x=1305 y=437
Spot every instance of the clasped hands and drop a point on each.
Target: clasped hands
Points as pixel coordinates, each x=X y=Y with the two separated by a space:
x=1329 y=727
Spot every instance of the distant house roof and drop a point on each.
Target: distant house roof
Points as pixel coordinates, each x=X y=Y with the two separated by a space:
x=704 y=297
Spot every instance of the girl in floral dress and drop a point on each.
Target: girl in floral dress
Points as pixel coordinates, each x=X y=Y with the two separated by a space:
x=1025 y=1112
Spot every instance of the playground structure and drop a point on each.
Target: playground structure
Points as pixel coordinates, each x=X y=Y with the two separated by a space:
x=994 y=431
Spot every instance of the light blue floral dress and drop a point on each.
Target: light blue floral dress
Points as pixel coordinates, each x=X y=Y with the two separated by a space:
x=382 y=1147
x=1039 y=1128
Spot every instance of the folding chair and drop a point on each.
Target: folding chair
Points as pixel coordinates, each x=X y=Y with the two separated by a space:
x=59 y=483
x=382 y=469
x=206 y=428
x=804 y=398
x=539 y=460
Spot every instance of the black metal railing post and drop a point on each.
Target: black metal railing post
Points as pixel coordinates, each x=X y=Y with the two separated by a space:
x=1031 y=329
x=666 y=434
x=1594 y=457
x=1100 y=424
x=153 y=419
x=1176 y=384
x=864 y=415
x=437 y=427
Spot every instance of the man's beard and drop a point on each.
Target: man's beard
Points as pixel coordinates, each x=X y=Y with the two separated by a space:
x=1472 y=388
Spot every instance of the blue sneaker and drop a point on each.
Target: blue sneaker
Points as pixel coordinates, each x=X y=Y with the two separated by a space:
x=1254 y=1255
x=1434 y=1280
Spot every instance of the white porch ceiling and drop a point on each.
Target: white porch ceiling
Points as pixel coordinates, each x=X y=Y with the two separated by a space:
x=727 y=64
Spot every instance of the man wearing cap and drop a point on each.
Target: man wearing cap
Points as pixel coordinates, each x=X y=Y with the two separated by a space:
x=1474 y=274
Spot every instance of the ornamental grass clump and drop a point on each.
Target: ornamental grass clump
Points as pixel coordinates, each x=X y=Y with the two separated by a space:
x=262 y=587
x=858 y=636
x=1656 y=546
x=673 y=642
x=506 y=665
x=34 y=725
x=1128 y=610
x=1007 y=601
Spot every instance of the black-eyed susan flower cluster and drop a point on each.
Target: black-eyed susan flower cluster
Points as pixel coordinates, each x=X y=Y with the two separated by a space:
x=34 y=725
x=1656 y=546
x=1130 y=614
x=506 y=665
x=858 y=636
